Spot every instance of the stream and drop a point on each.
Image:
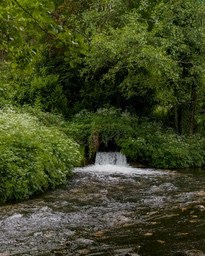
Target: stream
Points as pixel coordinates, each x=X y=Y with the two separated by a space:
x=108 y=209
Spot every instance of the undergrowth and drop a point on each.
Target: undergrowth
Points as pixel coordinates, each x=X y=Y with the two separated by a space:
x=38 y=150
x=141 y=141
x=33 y=157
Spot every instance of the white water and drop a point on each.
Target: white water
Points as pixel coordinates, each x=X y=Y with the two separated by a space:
x=107 y=163
x=113 y=158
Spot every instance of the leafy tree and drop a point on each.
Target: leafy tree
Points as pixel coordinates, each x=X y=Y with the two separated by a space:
x=156 y=54
x=179 y=25
x=30 y=33
x=128 y=58
x=145 y=56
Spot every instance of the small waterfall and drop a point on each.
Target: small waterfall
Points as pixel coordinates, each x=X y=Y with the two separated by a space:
x=113 y=158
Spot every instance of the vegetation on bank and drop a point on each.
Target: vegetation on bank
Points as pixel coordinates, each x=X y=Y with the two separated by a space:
x=142 y=141
x=33 y=157
x=38 y=150
x=107 y=75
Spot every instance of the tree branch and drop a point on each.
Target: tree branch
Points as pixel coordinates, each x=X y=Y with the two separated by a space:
x=36 y=21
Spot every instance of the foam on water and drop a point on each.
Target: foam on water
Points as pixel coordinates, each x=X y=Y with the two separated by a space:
x=109 y=169
x=108 y=163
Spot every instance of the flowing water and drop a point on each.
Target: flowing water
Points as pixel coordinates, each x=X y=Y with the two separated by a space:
x=111 y=210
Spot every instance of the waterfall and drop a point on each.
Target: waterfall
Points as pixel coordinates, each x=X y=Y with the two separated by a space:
x=113 y=158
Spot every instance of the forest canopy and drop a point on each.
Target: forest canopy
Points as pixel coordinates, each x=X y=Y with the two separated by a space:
x=146 y=57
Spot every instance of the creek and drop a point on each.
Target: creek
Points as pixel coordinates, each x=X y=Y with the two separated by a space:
x=108 y=209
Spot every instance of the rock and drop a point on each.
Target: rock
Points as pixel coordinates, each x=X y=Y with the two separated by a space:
x=125 y=252
x=99 y=234
x=131 y=254
x=168 y=187
x=182 y=234
x=193 y=221
x=190 y=253
x=194 y=253
x=161 y=241
x=148 y=234
x=201 y=193
x=200 y=207
x=38 y=234
x=84 y=241
x=84 y=251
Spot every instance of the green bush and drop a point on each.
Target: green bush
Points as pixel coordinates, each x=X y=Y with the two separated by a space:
x=103 y=126
x=33 y=157
x=163 y=149
x=141 y=141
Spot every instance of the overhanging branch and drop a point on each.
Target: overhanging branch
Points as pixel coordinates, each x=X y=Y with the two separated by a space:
x=36 y=21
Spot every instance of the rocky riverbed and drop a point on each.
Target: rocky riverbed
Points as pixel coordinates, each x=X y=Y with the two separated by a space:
x=111 y=210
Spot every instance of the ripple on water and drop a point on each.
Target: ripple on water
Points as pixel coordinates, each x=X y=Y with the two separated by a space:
x=106 y=210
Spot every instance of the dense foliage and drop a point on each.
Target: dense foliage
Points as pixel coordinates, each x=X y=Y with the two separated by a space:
x=84 y=60
x=158 y=148
x=140 y=140
x=142 y=56
x=33 y=157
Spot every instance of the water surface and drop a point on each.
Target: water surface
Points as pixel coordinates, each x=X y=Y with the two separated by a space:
x=111 y=210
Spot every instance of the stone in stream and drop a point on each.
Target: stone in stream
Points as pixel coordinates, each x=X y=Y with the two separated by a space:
x=190 y=253
x=194 y=253
x=125 y=252
x=109 y=211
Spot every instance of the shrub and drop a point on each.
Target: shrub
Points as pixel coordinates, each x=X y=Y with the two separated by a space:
x=163 y=149
x=141 y=141
x=33 y=157
x=101 y=127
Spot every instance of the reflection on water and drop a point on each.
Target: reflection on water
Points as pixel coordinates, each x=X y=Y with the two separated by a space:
x=111 y=210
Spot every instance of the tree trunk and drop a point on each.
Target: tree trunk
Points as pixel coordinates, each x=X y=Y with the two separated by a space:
x=192 y=126
x=183 y=119
x=176 y=119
